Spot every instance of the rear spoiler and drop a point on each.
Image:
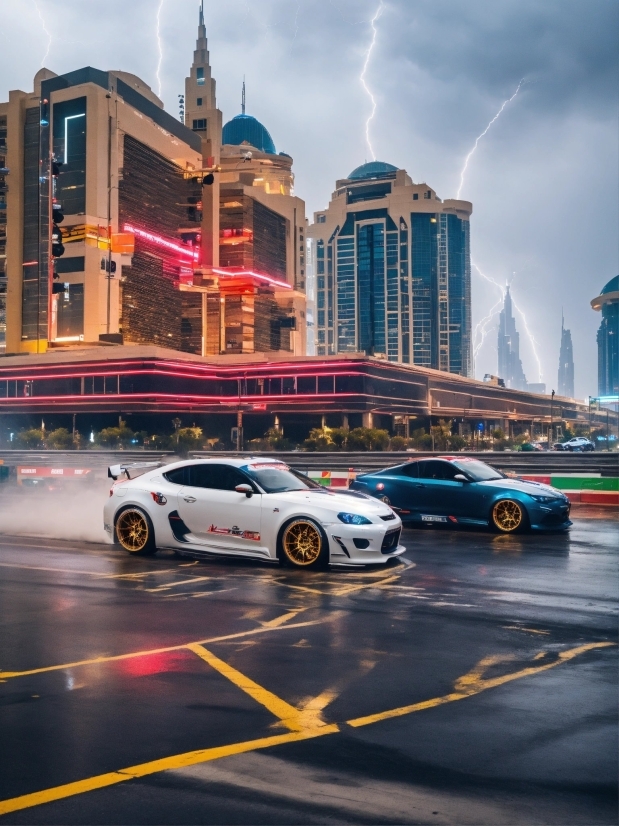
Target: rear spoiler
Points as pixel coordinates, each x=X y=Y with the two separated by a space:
x=114 y=471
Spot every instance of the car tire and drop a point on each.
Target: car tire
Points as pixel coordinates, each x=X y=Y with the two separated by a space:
x=302 y=543
x=509 y=516
x=134 y=532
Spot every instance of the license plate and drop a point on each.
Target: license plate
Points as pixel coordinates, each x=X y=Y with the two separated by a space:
x=434 y=518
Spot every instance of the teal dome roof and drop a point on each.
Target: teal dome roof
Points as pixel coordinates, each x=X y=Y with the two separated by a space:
x=612 y=286
x=246 y=128
x=374 y=169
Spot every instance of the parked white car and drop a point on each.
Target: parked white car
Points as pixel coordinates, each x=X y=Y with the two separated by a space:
x=578 y=443
x=257 y=508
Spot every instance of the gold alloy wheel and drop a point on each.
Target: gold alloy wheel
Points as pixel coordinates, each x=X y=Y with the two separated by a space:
x=132 y=531
x=302 y=542
x=507 y=515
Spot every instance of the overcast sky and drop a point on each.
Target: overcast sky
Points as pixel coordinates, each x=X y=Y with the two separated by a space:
x=543 y=180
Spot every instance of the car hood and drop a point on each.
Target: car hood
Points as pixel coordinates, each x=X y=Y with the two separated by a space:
x=347 y=501
x=522 y=486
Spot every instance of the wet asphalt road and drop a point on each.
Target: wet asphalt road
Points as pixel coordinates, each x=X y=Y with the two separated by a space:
x=476 y=682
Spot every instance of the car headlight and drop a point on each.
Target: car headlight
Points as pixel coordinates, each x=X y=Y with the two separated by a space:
x=544 y=499
x=353 y=519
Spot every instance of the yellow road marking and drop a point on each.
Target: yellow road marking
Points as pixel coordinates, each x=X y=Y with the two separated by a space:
x=289 y=715
x=177 y=761
x=6 y=675
x=472 y=683
x=166 y=585
x=521 y=628
x=349 y=589
x=82 y=572
x=275 y=623
x=139 y=574
x=300 y=587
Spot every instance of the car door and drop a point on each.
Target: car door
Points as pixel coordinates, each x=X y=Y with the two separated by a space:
x=215 y=513
x=404 y=489
x=441 y=495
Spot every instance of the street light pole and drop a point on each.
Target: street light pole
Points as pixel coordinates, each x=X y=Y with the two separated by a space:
x=552 y=397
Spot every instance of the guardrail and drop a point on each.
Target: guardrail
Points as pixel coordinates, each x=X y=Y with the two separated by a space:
x=542 y=463
x=606 y=464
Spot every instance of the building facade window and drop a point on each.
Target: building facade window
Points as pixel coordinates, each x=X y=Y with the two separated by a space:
x=69 y=148
x=199 y=125
x=200 y=76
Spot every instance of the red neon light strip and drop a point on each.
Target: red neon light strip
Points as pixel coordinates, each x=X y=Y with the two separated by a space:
x=232 y=401
x=251 y=274
x=156 y=373
x=162 y=242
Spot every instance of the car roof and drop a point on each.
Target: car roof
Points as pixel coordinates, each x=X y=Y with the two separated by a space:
x=233 y=461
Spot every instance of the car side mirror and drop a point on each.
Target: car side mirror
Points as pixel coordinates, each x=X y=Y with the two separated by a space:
x=460 y=477
x=246 y=489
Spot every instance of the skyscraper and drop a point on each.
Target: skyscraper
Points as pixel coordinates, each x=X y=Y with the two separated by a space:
x=138 y=247
x=392 y=271
x=565 y=381
x=608 y=338
x=510 y=365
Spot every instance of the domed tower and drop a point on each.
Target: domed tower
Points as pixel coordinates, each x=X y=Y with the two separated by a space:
x=262 y=235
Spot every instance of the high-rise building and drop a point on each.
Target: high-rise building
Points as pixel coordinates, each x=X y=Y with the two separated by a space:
x=392 y=271
x=565 y=382
x=93 y=155
x=510 y=365
x=608 y=338
x=110 y=229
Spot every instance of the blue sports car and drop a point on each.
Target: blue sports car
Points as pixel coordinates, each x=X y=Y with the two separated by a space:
x=460 y=490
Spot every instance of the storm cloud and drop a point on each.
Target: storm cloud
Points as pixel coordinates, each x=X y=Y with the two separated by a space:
x=543 y=181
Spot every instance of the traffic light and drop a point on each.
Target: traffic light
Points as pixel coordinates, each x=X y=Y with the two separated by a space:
x=57 y=245
x=57 y=216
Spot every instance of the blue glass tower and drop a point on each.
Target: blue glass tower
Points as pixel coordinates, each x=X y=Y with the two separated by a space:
x=608 y=338
x=392 y=271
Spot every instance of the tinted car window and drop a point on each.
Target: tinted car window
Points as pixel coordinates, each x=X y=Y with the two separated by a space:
x=215 y=477
x=436 y=469
x=178 y=476
x=411 y=471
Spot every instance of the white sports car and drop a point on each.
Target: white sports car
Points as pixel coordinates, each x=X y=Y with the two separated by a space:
x=257 y=508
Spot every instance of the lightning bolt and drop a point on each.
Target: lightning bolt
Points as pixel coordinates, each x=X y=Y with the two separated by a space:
x=47 y=32
x=159 y=47
x=296 y=25
x=531 y=339
x=368 y=55
x=479 y=137
x=480 y=328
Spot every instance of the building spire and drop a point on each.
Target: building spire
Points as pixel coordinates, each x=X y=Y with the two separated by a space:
x=201 y=19
x=243 y=97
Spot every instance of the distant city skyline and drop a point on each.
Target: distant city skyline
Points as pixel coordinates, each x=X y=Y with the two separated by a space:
x=565 y=377
x=439 y=74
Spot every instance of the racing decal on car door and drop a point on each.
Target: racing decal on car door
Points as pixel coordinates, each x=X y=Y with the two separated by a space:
x=235 y=531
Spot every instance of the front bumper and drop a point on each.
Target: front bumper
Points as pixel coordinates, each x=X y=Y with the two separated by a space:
x=553 y=516
x=364 y=544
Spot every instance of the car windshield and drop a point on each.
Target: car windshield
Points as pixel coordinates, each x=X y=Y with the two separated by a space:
x=276 y=478
x=478 y=471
